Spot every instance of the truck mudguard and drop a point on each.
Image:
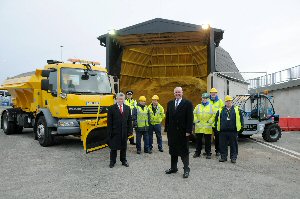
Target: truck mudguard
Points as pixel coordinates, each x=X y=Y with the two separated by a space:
x=51 y=121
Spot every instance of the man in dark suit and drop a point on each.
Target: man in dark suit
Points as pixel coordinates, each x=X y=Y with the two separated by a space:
x=179 y=125
x=119 y=125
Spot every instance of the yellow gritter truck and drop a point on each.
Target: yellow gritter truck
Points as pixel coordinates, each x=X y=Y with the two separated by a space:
x=61 y=99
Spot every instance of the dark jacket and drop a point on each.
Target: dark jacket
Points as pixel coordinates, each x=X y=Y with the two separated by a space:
x=228 y=125
x=179 y=122
x=119 y=126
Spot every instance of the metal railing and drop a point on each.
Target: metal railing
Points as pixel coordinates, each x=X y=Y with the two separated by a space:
x=275 y=78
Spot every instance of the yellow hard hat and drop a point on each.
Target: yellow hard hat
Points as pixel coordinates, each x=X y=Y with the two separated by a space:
x=142 y=98
x=155 y=97
x=228 y=98
x=213 y=90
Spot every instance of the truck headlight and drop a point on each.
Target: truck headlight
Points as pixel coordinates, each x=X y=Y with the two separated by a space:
x=65 y=123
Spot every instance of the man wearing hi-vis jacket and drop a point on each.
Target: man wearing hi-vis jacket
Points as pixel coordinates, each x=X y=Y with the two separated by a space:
x=229 y=121
x=203 y=119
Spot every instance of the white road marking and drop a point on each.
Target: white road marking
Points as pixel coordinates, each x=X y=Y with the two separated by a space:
x=293 y=154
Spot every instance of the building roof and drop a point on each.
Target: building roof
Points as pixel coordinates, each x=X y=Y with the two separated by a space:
x=160 y=31
x=224 y=63
x=167 y=32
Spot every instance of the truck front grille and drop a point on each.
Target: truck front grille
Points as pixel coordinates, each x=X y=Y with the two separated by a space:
x=86 y=109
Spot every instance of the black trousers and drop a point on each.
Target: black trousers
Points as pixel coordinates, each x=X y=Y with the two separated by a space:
x=113 y=155
x=131 y=140
x=184 y=159
x=230 y=138
x=216 y=135
x=207 y=138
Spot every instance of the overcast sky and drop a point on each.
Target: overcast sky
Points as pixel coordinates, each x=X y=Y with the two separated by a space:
x=260 y=35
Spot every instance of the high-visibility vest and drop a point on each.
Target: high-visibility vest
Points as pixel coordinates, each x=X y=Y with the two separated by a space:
x=203 y=118
x=142 y=117
x=216 y=105
x=237 y=118
x=131 y=103
x=158 y=116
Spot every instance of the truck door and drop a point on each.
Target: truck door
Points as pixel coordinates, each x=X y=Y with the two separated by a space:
x=266 y=109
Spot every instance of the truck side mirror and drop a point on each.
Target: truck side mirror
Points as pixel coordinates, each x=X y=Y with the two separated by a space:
x=45 y=73
x=45 y=84
x=85 y=77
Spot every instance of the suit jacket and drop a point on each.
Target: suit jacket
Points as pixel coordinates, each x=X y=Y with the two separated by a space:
x=119 y=126
x=179 y=122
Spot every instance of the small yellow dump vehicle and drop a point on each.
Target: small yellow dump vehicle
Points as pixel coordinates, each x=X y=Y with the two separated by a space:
x=62 y=99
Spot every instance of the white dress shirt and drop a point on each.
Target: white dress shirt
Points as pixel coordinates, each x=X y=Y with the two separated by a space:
x=179 y=100
x=122 y=106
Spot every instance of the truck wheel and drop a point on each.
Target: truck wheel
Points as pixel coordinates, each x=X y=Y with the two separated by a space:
x=8 y=126
x=19 y=129
x=44 y=133
x=35 y=132
x=272 y=133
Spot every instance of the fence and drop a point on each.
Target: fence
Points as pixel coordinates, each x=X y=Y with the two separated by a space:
x=275 y=78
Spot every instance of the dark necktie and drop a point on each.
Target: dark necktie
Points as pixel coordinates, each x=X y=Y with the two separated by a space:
x=176 y=104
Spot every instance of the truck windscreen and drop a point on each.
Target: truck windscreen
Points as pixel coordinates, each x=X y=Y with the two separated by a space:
x=80 y=81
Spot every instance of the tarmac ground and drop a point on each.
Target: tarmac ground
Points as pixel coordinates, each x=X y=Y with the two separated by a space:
x=66 y=171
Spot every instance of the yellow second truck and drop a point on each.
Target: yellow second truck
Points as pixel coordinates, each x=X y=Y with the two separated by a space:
x=61 y=99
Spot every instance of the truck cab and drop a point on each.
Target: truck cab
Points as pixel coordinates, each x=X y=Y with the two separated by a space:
x=75 y=91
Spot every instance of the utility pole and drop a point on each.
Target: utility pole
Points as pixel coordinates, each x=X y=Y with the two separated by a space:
x=61 y=47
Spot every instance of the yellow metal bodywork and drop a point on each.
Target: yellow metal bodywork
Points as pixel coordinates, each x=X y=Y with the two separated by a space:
x=25 y=90
x=27 y=95
x=86 y=127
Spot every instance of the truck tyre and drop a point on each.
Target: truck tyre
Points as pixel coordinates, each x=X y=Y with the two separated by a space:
x=44 y=133
x=272 y=133
x=19 y=129
x=35 y=132
x=8 y=126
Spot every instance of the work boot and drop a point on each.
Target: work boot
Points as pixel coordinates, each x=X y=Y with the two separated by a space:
x=111 y=165
x=132 y=143
x=196 y=155
x=186 y=173
x=233 y=161
x=138 y=152
x=148 y=151
x=170 y=171
x=161 y=150
x=125 y=163
x=222 y=160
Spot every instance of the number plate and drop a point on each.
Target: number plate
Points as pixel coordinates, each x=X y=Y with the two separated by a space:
x=92 y=103
x=250 y=127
